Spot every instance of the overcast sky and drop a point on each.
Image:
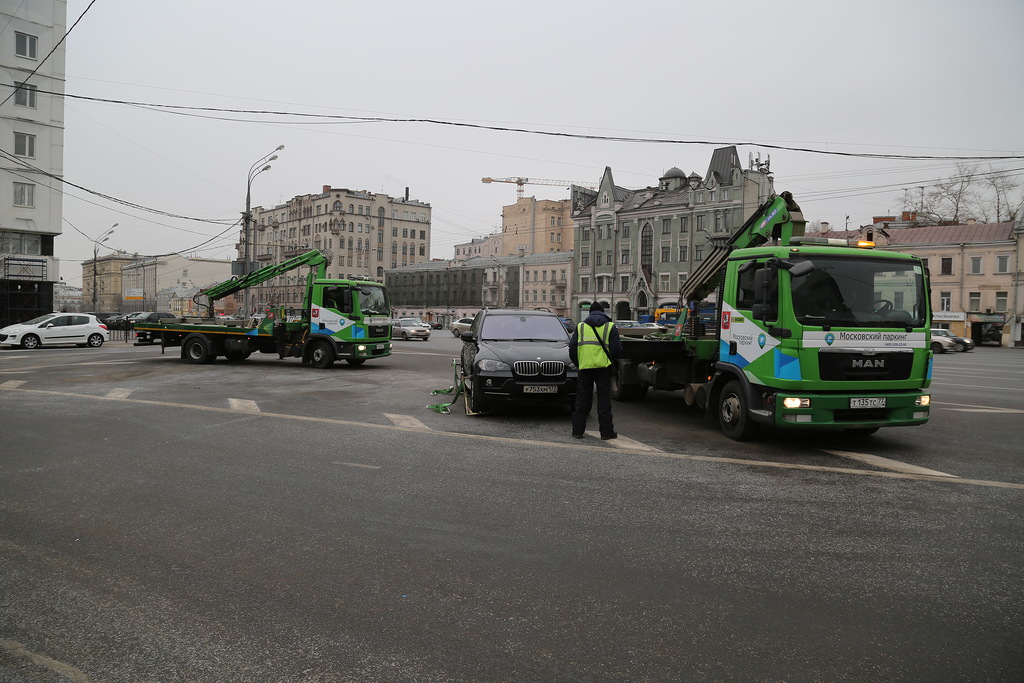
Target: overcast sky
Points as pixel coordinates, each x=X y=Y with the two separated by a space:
x=890 y=77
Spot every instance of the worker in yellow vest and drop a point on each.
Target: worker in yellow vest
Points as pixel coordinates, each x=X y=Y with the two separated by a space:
x=593 y=347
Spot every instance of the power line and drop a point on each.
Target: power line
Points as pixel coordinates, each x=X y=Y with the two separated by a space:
x=173 y=108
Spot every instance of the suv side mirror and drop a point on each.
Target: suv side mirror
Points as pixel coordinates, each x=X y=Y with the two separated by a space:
x=467 y=336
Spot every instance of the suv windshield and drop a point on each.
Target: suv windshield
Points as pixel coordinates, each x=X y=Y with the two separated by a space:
x=861 y=293
x=523 y=327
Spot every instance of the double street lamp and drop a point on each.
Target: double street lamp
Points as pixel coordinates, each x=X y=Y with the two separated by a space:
x=248 y=253
x=95 y=255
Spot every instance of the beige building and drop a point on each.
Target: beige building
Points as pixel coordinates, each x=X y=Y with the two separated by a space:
x=977 y=274
x=103 y=275
x=166 y=284
x=536 y=226
x=366 y=233
x=483 y=247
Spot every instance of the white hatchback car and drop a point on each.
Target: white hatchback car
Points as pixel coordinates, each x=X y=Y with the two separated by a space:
x=54 y=329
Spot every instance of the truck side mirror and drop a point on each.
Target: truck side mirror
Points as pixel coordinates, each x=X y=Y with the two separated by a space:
x=801 y=268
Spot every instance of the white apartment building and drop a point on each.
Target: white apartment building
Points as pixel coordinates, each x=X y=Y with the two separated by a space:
x=31 y=153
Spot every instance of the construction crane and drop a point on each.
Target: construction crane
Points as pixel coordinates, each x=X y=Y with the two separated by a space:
x=537 y=181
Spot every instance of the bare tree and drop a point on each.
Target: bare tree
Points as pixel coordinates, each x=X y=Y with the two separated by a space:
x=986 y=196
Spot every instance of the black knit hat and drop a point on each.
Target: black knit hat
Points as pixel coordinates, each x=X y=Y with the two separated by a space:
x=596 y=307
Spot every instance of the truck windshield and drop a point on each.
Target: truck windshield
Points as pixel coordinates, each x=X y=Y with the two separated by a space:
x=373 y=300
x=861 y=292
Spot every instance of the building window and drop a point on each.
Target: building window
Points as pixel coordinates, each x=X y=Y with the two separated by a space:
x=598 y=257
x=718 y=222
x=625 y=230
x=947 y=266
x=646 y=246
x=664 y=282
x=975 y=265
x=599 y=282
x=1003 y=263
x=585 y=259
x=945 y=301
x=700 y=223
x=682 y=252
x=25 y=45
x=623 y=283
x=684 y=224
x=698 y=252
x=584 y=284
x=25 y=145
x=586 y=235
x=666 y=253
x=666 y=226
x=25 y=95
x=974 y=301
x=25 y=195
x=1001 y=302
x=625 y=257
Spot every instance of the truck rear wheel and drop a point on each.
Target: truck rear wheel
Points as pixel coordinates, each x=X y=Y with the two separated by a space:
x=733 y=417
x=321 y=356
x=197 y=350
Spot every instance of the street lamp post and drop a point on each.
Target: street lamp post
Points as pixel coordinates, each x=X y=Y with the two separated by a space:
x=95 y=254
x=247 y=220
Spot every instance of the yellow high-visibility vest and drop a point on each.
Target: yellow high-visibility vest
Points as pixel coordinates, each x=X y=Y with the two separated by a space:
x=589 y=351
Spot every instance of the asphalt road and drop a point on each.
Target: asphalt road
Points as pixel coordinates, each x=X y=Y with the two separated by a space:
x=265 y=521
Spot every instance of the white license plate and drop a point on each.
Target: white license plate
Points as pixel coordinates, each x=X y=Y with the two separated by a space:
x=381 y=347
x=539 y=389
x=874 y=402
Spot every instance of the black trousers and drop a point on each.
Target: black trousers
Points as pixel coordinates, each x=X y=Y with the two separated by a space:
x=601 y=378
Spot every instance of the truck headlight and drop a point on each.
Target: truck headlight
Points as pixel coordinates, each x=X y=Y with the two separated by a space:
x=793 y=402
x=488 y=365
x=360 y=348
x=925 y=400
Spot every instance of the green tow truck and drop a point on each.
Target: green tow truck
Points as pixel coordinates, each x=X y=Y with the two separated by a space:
x=346 y=320
x=812 y=333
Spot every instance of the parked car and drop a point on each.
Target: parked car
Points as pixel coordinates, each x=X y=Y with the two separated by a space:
x=103 y=317
x=941 y=344
x=407 y=328
x=959 y=343
x=81 y=329
x=517 y=356
x=461 y=325
x=436 y=325
x=633 y=328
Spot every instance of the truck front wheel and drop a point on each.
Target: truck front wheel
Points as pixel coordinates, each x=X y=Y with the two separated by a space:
x=321 y=356
x=733 y=417
x=197 y=350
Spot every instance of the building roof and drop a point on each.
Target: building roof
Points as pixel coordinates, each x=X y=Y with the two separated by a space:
x=951 y=234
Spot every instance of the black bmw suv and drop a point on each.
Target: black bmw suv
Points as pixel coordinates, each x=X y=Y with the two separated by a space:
x=517 y=356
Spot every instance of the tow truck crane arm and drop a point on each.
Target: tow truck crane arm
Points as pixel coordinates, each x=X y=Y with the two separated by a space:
x=316 y=258
x=779 y=219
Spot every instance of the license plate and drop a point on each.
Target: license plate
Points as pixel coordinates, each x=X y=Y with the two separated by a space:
x=874 y=402
x=539 y=389
x=380 y=347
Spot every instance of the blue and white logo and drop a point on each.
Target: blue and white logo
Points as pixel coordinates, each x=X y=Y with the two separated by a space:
x=829 y=338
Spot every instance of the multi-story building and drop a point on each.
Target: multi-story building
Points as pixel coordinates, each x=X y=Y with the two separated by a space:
x=536 y=226
x=977 y=274
x=635 y=248
x=166 y=284
x=102 y=276
x=32 y=147
x=446 y=290
x=480 y=246
x=366 y=232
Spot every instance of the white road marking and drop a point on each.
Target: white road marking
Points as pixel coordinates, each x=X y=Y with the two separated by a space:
x=886 y=463
x=356 y=464
x=626 y=443
x=995 y=409
x=406 y=421
x=120 y=393
x=243 y=405
x=551 y=446
x=12 y=384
